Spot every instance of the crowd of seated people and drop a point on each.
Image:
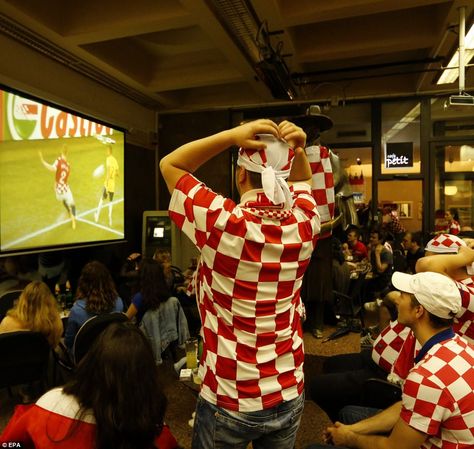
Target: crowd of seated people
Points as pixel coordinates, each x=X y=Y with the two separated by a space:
x=113 y=400
x=436 y=407
x=392 y=354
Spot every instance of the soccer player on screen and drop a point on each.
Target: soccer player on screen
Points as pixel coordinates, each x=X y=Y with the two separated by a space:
x=62 y=169
x=111 y=172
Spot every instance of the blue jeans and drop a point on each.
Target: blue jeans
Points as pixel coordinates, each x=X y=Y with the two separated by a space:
x=274 y=428
x=350 y=414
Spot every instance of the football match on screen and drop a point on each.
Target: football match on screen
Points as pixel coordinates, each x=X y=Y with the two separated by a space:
x=61 y=177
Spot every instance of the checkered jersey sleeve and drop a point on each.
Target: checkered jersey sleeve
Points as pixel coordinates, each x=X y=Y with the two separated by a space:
x=304 y=202
x=388 y=344
x=425 y=403
x=464 y=320
x=322 y=181
x=195 y=209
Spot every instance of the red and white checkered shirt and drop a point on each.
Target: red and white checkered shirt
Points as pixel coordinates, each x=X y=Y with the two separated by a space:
x=253 y=257
x=454 y=227
x=464 y=320
x=322 y=181
x=388 y=344
x=438 y=397
x=463 y=325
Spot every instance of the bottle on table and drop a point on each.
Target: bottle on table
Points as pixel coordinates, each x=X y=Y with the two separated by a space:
x=69 y=298
x=60 y=297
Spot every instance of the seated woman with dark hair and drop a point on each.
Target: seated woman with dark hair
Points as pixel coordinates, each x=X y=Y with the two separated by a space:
x=114 y=400
x=36 y=310
x=153 y=289
x=173 y=275
x=96 y=295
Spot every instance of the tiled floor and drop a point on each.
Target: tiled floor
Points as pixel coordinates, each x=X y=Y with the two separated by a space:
x=182 y=399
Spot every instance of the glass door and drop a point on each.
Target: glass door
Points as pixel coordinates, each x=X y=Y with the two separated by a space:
x=454 y=185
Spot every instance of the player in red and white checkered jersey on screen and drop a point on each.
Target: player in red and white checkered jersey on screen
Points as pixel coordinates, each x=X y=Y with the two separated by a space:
x=62 y=169
x=437 y=407
x=253 y=256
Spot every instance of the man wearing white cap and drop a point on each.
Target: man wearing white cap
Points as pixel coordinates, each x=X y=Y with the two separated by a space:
x=437 y=406
x=253 y=256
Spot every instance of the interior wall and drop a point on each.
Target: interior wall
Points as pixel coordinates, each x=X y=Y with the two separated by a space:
x=407 y=192
x=140 y=182
x=178 y=129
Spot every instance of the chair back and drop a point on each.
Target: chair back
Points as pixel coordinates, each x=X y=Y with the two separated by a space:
x=350 y=305
x=24 y=358
x=399 y=261
x=379 y=393
x=91 y=329
x=7 y=300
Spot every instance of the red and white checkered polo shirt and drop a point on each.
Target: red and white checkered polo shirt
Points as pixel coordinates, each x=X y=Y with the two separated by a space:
x=464 y=320
x=322 y=181
x=248 y=289
x=463 y=325
x=438 y=397
x=388 y=344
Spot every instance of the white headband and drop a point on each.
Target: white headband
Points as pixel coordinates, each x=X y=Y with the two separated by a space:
x=274 y=164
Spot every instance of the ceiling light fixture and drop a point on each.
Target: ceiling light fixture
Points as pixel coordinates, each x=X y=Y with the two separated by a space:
x=450 y=190
x=451 y=71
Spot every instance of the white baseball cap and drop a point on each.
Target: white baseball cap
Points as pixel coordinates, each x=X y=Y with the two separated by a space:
x=436 y=292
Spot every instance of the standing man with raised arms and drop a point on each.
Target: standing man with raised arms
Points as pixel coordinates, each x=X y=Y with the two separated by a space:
x=253 y=257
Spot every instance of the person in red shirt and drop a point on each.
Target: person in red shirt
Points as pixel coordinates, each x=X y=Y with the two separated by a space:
x=114 y=400
x=357 y=249
x=62 y=170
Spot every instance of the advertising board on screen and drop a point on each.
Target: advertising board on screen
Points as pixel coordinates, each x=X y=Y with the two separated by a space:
x=61 y=177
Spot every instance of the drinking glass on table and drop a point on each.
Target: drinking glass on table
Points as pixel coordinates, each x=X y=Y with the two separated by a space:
x=191 y=353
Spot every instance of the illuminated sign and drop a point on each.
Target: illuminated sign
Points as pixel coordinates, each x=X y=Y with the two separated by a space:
x=399 y=155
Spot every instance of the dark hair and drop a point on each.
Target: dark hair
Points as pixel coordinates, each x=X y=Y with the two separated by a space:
x=454 y=213
x=417 y=238
x=153 y=286
x=436 y=321
x=97 y=287
x=353 y=229
x=337 y=253
x=254 y=177
x=380 y=233
x=118 y=380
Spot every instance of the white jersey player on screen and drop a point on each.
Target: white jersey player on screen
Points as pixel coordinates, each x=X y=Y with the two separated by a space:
x=62 y=169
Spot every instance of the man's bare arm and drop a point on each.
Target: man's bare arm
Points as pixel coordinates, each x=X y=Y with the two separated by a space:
x=402 y=436
x=446 y=263
x=50 y=167
x=296 y=138
x=189 y=157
